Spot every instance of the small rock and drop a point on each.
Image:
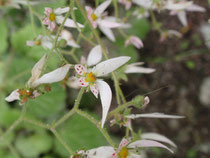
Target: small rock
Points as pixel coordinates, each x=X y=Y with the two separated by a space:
x=204 y=95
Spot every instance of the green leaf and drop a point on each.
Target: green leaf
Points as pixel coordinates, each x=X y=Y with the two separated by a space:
x=3 y=35
x=49 y=104
x=79 y=133
x=32 y=146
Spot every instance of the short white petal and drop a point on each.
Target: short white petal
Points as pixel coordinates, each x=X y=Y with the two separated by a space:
x=157 y=137
x=108 y=32
x=13 y=96
x=68 y=22
x=54 y=76
x=101 y=152
x=106 y=98
x=144 y=3
x=147 y=143
x=182 y=17
x=102 y=7
x=109 y=65
x=37 y=69
x=59 y=11
x=154 y=115
x=94 y=56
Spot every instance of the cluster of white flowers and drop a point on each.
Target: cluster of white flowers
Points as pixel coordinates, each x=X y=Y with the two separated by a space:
x=89 y=72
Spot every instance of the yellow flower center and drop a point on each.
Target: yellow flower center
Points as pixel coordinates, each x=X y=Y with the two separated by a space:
x=90 y=77
x=123 y=153
x=38 y=42
x=94 y=17
x=52 y=17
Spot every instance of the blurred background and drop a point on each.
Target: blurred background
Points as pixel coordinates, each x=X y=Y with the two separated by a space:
x=179 y=86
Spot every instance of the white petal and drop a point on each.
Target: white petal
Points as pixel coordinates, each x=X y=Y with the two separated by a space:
x=182 y=17
x=132 y=155
x=68 y=22
x=178 y=6
x=154 y=115
x=59 y=11
x=94 y=56
x=144 y=3
x=135 y=69
x=73 y=82
x=80 y=69
x=109 y=24
x=46 y=42
x=101 y=152
x=102 y=7
x=69 y=38
x=147 y=143
x=81 y=82
x=37 y=70
x=157 y=137
x=109 y=65
x=94 y=90
x=13 y=96
x=54 y=76
x=106 y=97
x=195 y=8
x=108 y=32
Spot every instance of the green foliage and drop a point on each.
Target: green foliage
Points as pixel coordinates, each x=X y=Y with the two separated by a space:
x=192 y=153
x=49 y=104
x=190 y=64
x=79 y=133
x=33 y=145
x=3 y=35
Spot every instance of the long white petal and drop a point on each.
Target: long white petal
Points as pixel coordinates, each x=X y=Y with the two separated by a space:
x=54 y=76
x=154 y=115
x=68 y=22
x=101 y=152
x=94 y=56
x=157 y=137
x=37 y=70
x=102 y=7
x=109 y=65
x=109 y=24
x=108 y=32
x=182 y=17
x=106 y=98
x=135 y=69
x=147 y=143
x=178 y=6
x=195 y=8
x=13 y=96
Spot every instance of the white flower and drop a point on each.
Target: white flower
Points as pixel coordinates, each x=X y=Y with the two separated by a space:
x=89 y=76
x=35 y=80
x=99 y=19
x=141 y=13
x=54 y=17
x=48 y=41
x=180 y=8
x=128 y=149
x=136 y=68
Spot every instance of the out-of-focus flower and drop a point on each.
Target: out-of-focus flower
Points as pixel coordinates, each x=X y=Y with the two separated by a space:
x=69 y=38
x=126 y=3
x=141 y=13
x=16 y=3
x=47 y=41
x=35 y=80
x=136 y=68
x=89 y=76
x=54 y=17
x=180 y=8
x=136 y=41
x=99 y=19
x=170 y=34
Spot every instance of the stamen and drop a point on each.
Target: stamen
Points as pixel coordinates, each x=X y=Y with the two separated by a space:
x=94 y=17
x=52 y=17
